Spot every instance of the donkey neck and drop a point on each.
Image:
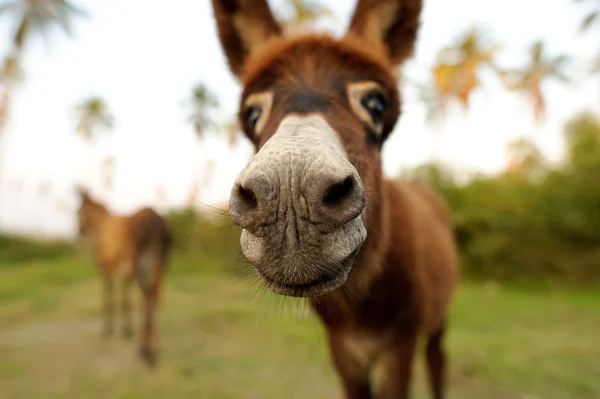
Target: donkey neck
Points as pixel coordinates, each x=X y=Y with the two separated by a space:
x=343 y=305
x=98 y=216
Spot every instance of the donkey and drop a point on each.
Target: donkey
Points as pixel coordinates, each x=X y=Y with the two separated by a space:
x=375 y=257
x=137 y=247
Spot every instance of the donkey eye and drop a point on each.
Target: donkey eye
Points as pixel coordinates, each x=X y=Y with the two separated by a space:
x=374 y=102
x=252 y=115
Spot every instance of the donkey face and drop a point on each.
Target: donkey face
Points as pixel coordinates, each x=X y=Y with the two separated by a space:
x=87 y=213
x=83 y=213
x=318 y=111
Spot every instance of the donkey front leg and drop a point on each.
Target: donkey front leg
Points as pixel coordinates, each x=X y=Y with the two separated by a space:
x=352 y=370
x=397 y=368
x=109 y=305
x=436 y=364
x=126 y=307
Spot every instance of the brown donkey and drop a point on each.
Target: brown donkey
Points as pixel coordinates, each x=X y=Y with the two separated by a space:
x=136 y=246
x=376 y=257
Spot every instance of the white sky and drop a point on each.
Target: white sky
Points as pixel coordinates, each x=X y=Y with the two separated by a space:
x=144 y=58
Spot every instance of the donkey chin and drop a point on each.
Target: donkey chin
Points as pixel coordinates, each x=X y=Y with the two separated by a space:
x=317 y=265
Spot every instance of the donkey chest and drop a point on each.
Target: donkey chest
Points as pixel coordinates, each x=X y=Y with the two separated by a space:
x=365 y=346
x=112 y=244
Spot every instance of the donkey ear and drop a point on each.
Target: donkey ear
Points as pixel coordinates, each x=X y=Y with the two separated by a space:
x=243 y=26
x=391 y=23
x=82 y=191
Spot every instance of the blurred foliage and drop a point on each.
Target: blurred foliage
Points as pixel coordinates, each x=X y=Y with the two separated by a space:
x=530 y=78
x=513 y=226
x=201 y=101
x=30 y=17
x=456 y=73
x=92 y=114
x=38 y=16
x=592 y=16
x=304 y=13
x=209 y=235
x=15 y=250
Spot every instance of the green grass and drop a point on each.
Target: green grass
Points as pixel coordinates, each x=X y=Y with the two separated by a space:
x=219 y=340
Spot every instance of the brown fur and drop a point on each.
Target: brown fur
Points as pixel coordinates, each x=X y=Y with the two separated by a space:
x=136 y=246
x=405 y=274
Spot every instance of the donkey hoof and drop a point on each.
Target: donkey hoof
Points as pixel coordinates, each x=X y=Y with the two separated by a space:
x=148 y=356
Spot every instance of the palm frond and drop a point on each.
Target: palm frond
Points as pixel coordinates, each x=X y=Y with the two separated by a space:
x=589 y=20
x=536 y=50
x=40 y=16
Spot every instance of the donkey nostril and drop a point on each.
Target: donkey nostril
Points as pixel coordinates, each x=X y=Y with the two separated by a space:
x=248 y=197
x=340 y=202
x=248 y=202
x=338 y=192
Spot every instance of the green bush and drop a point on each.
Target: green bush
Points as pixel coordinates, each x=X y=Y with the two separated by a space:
x=206 y=240
x=518 y=226
x=15 y=250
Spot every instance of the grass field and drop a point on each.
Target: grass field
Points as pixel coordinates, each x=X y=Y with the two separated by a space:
x=218 y=340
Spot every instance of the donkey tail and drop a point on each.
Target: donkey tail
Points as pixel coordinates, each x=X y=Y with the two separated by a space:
x=154 y=247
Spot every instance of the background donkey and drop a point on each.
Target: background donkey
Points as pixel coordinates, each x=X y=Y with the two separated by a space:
x=376 y=257
x=138 y=246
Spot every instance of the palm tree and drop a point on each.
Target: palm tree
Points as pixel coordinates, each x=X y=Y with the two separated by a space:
x=539 y=69
x=92 y=115
x=593 y=16
x=10 y=75
x=455 y=73
x=201 y=101
x=108 y=166
x=32 y=16
x=305 y=12
x=39 y=16
x=232 y=129
x=457 y=69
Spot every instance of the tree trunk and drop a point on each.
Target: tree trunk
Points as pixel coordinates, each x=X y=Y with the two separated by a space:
x=4 y=113
x=7 y=94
